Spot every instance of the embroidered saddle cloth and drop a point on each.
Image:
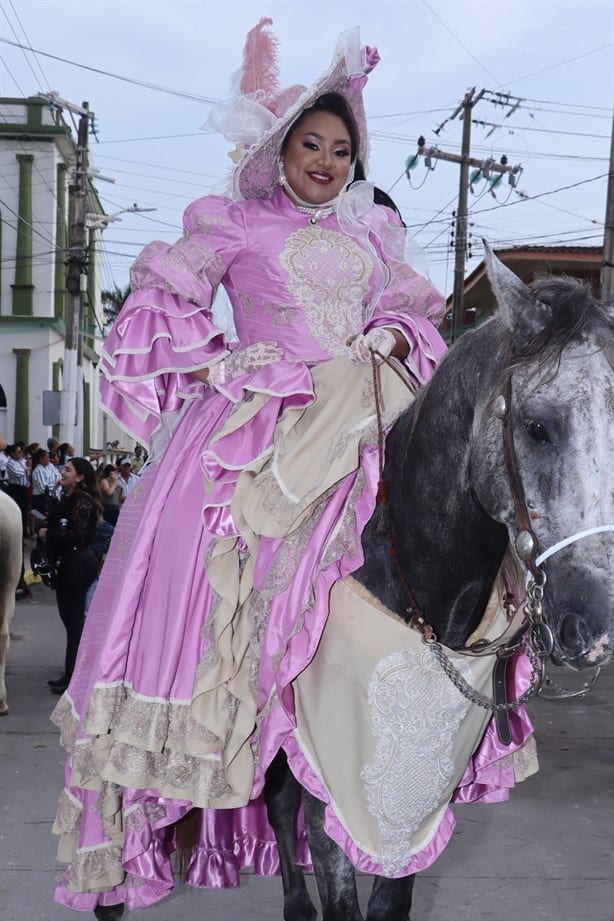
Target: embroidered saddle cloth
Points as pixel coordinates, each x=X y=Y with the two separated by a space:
x=384 y=728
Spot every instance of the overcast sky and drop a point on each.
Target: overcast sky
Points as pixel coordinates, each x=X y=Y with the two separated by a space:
x=557 y=57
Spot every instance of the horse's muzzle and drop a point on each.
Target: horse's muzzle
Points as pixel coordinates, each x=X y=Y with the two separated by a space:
x=581 y=641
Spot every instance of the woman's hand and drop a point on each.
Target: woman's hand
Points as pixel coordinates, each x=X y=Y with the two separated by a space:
x=380 y=342
x=241 y=361
x=42 y=533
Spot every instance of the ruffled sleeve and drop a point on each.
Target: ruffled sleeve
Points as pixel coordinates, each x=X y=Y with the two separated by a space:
x=165 y=329
x=408 y=302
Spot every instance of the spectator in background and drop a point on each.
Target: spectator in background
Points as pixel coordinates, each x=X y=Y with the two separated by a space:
x=69 y=536
x=127 y=480
x=18 y=479
x=4 y=458
x=110 y=492
x=45 y=478
x=66 y=452
x=139 y=460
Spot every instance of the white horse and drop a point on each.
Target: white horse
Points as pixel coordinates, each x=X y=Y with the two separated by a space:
x=11 y=549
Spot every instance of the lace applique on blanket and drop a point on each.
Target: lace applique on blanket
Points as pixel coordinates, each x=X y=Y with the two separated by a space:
x=416 y=715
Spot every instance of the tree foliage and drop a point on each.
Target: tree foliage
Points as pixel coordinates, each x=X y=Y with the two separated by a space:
x=112 y=303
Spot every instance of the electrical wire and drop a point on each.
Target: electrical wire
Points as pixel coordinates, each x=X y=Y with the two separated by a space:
x=544 y=70
x=564 y=188
x=25 y=34
x=106 y=73
x=457 y=39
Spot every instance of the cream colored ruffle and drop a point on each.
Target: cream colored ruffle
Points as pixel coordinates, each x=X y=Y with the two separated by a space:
x=204 y=751
x=282 y=495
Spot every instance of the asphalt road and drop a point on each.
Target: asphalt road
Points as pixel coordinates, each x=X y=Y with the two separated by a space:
x=544 y=856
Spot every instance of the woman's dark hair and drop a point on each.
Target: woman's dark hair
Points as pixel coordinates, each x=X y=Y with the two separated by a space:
x=333 y=104
x=38 y=457
x=379 y=196
x=88 y=484
x=12 y=448
x=104 y=472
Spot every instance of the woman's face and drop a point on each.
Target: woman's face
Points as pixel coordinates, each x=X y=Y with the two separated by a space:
x=44 y=460
x=318 y=157
x=70 y=478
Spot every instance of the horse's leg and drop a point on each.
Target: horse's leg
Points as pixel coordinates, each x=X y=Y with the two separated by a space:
x=4 y=648
x=282 y=794
x=109 y=912
x=391 y=899
x=334 y=871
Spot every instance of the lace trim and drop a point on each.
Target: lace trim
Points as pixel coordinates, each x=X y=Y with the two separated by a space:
x=69 y=815
x=144 y=722
x=414 y=733
x=95 y=869
x=183 y=764
x=140 y=815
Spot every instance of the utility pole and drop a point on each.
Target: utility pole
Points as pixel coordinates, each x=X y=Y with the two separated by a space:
x=71 y=409
x=460 y=237
x=607 y=268
x=465 y=161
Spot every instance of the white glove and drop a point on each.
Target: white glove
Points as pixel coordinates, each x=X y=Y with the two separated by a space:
x=376 y=340
x=242 y=361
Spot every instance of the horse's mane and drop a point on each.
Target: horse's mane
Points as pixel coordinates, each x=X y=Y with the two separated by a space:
x=574 y=313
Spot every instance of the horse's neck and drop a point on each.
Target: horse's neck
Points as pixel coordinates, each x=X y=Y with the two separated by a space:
x=445 y=548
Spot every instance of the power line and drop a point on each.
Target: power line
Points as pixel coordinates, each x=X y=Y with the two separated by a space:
x=564 y=188
x=156 y=137
x=173 y=169
x=15 y=227
x=544 y=70
x=27 y=59
x=6 y=67
x=581 y=134
x=25 y=34
x=106 y=73
x=550 y=102
x=457 y=39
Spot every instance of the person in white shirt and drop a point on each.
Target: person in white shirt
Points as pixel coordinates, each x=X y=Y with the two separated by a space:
x=127 y=480
x=45 y=478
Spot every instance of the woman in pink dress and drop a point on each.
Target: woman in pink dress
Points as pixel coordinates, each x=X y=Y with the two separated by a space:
x=262 y=475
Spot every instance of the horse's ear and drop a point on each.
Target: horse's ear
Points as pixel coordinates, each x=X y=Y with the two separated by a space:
x=523 y=313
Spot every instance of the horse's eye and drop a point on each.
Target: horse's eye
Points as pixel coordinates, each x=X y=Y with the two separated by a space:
x=537 y=431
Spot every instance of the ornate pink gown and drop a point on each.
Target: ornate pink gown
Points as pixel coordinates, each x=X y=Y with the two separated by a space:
x=214 y=595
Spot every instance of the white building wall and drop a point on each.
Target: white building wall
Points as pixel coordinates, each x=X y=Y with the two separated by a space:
x=46 y=343
x=44 y=199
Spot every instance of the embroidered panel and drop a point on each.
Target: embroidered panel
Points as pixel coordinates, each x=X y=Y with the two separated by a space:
x=329 y=278
x=415 y=718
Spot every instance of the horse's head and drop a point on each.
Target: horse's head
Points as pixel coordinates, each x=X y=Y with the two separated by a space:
x=558 y=343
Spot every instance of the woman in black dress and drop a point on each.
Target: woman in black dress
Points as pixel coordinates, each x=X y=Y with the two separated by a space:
x=69 y=535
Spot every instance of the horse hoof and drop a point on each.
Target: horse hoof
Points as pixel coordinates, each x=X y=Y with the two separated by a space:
x=4 y=710
x=109 y=912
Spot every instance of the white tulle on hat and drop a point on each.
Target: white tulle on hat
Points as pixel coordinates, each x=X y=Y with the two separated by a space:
x=259 y=114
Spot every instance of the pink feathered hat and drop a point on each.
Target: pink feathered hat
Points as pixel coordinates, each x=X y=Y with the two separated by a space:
x=259 y=115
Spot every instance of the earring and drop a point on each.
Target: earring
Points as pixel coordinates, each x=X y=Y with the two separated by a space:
x=282 y=175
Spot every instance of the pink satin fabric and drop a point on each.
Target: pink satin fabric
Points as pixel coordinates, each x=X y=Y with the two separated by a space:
x=145 y=624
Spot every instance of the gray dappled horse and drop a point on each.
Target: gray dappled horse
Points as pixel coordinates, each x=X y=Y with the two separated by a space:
x=10 y=570
x=542 y=372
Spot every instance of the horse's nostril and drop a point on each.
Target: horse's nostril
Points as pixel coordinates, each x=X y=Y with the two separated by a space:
x=574 y=634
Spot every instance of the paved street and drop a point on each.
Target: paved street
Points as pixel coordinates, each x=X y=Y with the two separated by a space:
x=545 y=856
